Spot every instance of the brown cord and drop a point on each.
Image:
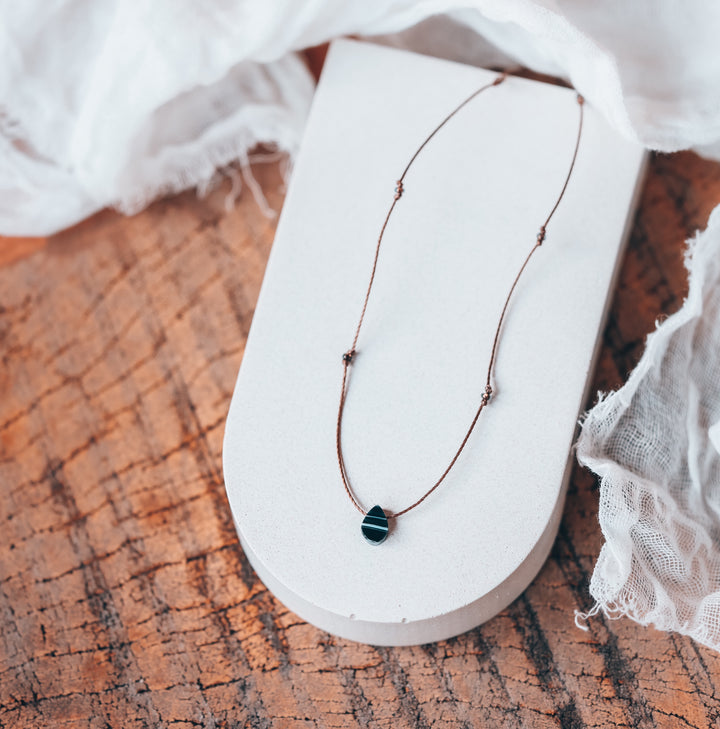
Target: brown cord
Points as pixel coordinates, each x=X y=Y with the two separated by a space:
x=348 y=356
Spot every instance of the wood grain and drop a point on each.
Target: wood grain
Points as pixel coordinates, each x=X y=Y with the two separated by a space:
x=126 y=600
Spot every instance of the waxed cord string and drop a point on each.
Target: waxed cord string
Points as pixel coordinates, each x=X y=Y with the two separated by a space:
x=348 y=356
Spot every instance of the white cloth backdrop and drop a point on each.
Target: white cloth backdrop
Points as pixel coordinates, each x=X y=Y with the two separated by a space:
x=111 y=103
x=104 y=102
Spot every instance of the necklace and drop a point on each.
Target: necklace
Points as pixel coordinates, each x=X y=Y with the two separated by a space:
x=375 y=525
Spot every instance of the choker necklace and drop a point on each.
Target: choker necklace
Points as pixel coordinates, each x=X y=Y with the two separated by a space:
x=375 y=524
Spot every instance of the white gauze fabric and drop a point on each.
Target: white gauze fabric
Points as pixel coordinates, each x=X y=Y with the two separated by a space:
x=110 y=103
x=655 y=444
x=104 y=102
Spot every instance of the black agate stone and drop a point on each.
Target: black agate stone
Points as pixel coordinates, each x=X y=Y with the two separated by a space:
x=375 y=526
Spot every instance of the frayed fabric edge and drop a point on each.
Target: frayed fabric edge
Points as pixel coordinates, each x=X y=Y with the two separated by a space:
x=206 y=169
x=612 y=611
x=582 y=618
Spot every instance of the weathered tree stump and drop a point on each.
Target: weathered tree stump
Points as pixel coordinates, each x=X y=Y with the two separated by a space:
x=126 y=600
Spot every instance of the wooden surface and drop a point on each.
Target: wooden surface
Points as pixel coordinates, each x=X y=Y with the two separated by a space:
x=126 y=600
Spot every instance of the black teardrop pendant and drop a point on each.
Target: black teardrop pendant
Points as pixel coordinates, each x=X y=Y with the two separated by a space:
x=375 y=526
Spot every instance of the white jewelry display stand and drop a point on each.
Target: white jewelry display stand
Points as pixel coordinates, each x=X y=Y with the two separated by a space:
x=473 y=203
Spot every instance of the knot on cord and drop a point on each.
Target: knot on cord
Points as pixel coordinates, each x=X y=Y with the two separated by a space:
x=486 y=395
